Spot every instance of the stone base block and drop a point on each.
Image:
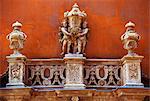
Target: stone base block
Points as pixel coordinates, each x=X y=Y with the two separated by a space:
x=74 y=86
x=15 y=85
x=139 y=85
x=74 y=56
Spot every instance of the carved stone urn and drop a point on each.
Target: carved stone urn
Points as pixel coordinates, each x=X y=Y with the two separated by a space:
x=16 y=38
x=131 y=62
x=16 y=60
x=130 y=38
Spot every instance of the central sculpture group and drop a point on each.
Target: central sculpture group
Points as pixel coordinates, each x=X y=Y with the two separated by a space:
x=73 y=31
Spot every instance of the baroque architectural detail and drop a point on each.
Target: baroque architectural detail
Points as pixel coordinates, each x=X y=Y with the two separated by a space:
x=102 y=75
x=16 y=60
x=75 y=98
x=46 y=75
x=15 y=71
x=94 y=75
x=16 y=38
x=73 y=31
x=73 y=71
x=133 y=71
x=130 y=38
x=74 y=78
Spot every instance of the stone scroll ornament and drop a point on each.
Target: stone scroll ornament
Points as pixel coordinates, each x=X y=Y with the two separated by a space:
x=16 y=38
x=73 y=31
x=130 y=39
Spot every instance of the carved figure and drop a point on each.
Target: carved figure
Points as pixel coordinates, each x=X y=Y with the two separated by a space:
x=16 y=38
x=73 y=31
x=15 y=71
x=65 y=37
x=82 y=38
x=130 y=38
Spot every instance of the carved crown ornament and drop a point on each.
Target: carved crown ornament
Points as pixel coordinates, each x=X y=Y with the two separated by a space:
x=16 y=38
x=73 y=31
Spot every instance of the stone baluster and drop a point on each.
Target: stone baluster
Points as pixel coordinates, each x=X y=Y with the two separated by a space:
x=131 y=62
x=16 y=60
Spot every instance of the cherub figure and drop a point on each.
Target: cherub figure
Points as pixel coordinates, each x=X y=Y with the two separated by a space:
x=73 y=31
x=65 y=37
x=82 y=38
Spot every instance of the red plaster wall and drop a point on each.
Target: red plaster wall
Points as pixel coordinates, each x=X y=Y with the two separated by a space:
x=41 y=19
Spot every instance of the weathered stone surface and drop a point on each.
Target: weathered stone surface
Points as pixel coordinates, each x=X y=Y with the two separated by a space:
x=16 y=38
x=28 y=94
x=73 y=31
x=74 y=71
x=16 y=70
x=132 y=70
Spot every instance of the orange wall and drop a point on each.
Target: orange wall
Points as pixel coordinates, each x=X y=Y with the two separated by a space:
x=41 y=20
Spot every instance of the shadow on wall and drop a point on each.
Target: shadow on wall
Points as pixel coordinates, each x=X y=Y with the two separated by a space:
x=3 y=81
x=147 y=98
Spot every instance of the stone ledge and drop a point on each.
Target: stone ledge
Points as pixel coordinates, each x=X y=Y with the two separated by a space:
x=120 y=93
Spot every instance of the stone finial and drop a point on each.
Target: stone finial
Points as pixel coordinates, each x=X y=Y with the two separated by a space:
x=16 y=38
x=130 y=38
x=75 y=11
x=16 y=24
x=130 y=24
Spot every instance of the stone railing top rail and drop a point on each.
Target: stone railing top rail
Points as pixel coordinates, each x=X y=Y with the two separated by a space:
x=87 y=61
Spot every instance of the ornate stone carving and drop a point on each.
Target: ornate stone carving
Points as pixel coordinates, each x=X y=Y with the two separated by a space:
x=102 y=75
x=75 y=98
x=130 y=38
x=15 y=71
x=74 y=74
x=16 y=38
x=131 y=62
x=55 y=76
x=36 y=73
x=132 y=70
x=16 y=60
x=73 y=31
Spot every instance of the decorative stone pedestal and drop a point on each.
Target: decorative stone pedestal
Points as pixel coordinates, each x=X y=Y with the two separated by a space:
x=74 y=71
x=132 y=71
x=16 y=70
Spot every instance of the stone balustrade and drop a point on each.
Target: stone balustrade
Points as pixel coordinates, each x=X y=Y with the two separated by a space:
x=51 y=72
